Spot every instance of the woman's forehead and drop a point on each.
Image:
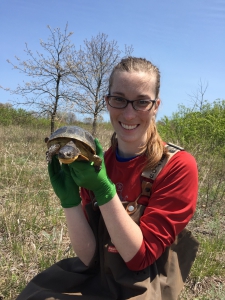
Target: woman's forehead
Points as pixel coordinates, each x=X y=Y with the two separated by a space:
x=119 y=73
x=133 y=80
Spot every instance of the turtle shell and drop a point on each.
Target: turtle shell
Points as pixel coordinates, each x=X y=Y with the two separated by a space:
x=67 y=133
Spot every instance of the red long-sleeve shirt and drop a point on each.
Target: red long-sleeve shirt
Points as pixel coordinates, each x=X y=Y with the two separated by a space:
x=168 y=210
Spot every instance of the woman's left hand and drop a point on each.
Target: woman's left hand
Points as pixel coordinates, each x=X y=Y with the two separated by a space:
x=84 y=175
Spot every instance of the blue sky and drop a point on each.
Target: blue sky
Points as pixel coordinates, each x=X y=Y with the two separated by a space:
x=185 y=39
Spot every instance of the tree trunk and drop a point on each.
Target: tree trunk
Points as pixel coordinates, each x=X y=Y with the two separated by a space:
x=94 y=126
x=52 y=123
x=56 y=104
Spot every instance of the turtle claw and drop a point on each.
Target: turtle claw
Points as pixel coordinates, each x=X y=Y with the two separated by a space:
x=97 y=168
x=48 y=157
x=97 y=163
x=52 y=151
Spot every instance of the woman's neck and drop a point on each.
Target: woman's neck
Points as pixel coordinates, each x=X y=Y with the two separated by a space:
x=128 y=150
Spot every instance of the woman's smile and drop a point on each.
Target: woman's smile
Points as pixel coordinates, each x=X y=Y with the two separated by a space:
x=128 y=127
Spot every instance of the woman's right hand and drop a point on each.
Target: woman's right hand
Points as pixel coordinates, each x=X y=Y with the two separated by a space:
x=85 y=175
x=63 y=184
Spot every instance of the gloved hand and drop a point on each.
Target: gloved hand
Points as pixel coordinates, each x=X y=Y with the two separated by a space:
x=63 y=185
x=84 y=175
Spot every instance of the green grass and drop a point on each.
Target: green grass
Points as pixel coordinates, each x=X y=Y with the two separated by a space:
x=211 y=258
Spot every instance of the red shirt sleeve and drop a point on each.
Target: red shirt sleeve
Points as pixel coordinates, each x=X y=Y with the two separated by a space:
x=170 y=208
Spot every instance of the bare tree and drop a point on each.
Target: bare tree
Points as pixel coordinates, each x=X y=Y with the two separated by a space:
x=66 y=116
x=47 y=73
x=198 y=97
x=90 y=68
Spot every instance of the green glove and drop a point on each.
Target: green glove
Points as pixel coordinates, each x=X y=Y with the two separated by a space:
x=63 y=185
x=84 y=175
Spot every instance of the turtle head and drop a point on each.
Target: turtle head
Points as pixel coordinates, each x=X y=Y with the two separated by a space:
x=68 y=153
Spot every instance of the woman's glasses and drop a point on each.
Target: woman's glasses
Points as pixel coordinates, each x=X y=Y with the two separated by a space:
x=120 y=102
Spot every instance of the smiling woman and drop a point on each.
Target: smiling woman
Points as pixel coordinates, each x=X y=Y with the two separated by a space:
x=137 y=79
x=132 y=125
x=127 y=221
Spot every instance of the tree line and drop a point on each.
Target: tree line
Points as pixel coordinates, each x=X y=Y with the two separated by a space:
x=190 y=128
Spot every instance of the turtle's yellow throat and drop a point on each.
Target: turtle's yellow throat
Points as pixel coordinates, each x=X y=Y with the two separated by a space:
x=67 y=160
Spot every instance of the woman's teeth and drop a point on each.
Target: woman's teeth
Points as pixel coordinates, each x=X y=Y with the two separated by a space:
x=129 y=127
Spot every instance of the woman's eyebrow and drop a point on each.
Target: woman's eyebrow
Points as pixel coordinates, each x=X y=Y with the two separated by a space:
x=118 y=93
x=144 y=96
x=139 y=96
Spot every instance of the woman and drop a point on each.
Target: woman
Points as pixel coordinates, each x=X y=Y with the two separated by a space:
x=125 y=253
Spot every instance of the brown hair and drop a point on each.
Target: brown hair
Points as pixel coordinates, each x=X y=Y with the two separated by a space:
x=154 y=147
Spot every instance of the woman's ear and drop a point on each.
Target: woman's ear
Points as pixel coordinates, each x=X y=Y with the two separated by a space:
x=106 y=101
x=157 y=104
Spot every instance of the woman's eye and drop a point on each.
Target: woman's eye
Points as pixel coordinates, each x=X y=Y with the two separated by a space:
x=119 y=99
x=143 y=102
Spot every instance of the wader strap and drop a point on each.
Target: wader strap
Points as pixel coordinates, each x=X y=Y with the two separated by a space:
x=131 y=207
x=153 y=173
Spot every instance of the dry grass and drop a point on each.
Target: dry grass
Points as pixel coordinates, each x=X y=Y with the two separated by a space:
x=33 y=234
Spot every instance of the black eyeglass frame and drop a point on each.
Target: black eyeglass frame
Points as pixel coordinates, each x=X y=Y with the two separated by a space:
x=132 y=102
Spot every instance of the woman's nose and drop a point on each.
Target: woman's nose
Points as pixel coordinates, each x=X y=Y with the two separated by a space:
x=129 y=112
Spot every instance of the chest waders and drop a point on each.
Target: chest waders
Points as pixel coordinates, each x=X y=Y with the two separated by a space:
x=107 y=277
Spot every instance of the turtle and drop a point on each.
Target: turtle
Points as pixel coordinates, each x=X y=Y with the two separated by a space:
x=72 y=143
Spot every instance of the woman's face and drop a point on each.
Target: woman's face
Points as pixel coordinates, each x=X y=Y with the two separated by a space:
x=131 y=125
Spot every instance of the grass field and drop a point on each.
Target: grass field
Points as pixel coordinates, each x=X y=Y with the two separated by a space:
x=33 y=234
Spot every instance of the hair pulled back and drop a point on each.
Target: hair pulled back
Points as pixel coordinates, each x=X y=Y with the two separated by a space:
x=154 y=148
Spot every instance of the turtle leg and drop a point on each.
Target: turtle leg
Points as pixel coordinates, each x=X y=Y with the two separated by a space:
x=97 y=168
x=97 y=163
x=52 y=151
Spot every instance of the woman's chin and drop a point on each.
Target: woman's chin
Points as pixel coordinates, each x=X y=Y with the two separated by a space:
x=129 y=139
